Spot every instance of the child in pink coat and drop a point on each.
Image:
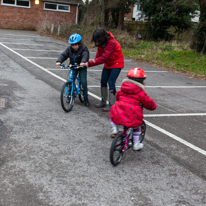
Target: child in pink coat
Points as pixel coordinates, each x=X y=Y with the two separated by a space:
x=128 y=109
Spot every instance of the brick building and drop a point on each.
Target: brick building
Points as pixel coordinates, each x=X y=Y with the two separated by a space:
x=27 y=14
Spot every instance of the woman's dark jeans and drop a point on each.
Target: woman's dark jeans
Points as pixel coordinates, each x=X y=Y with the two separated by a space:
x=110 y=76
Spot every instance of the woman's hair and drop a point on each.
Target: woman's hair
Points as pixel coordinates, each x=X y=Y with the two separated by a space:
x=100 y=37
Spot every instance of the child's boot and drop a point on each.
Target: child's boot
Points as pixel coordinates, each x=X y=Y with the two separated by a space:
x=114 y=131
x=137 y=145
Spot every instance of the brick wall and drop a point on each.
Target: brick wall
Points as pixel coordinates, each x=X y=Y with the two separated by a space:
x=129 y=15
x=29 y=18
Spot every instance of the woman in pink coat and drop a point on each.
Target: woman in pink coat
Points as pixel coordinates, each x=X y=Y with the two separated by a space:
x=128 y=109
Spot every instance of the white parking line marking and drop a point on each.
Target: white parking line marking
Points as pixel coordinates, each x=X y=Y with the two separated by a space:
x=11 y=39
x=20 y=43
x=176 y=138
x=52 y=58
x=41 y=58
x=179 y=87
x=95 y=96
x=58 y=69
x=35 y=50
x=169 y=87
x=16 y=35
x=40 y=67
x=124 y=70
x=175 y=115
x=92 y=70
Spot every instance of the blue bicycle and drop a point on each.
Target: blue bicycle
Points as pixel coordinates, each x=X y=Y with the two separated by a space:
x=71 y=88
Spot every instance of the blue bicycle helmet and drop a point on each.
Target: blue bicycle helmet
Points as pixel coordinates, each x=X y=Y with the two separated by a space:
x=74 y=39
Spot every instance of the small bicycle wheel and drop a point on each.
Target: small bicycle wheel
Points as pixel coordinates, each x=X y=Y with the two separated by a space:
x=116 y=149
x=81 y=96
x=67 y=98
x=143 y=131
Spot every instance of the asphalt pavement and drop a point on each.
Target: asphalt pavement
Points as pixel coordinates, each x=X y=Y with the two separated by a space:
x=49 y=157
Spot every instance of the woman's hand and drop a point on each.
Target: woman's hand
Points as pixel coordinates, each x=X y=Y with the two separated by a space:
x=58 y=63
x=84 y=64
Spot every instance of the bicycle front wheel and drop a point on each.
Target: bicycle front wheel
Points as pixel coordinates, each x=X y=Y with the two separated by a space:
x=116 y=149
x=67 y=97
x=142 y=131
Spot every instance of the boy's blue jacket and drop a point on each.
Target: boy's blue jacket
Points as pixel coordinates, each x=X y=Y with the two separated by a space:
x=81 y=55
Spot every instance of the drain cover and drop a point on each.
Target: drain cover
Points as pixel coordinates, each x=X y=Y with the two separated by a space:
x=2 y=102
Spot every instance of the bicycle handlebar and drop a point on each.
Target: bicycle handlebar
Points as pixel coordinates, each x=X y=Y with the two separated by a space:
x=75 y=66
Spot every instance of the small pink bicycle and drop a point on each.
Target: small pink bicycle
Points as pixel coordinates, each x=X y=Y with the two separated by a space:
x=124 y=141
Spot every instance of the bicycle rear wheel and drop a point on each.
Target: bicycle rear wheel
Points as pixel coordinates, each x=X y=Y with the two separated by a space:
x=67 y=98
x=81 y=96
x=143 y=131
x=116 y=149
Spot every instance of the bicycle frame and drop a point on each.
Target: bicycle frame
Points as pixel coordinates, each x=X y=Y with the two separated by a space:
x=126 y=133
x=72 y=79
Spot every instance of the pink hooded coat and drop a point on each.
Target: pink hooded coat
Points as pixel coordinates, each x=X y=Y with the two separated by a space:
x=128 y=110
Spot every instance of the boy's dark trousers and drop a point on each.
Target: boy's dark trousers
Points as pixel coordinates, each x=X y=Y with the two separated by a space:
x=83 y=76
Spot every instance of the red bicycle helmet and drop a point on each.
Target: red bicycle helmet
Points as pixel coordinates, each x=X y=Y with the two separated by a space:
x=136 y=74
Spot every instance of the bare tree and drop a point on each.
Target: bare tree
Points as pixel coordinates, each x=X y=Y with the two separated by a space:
x=121 y=15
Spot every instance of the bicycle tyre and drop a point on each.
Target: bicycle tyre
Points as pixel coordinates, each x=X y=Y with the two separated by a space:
x=81 y=96
x=67 y=106
x=143 y=131
x=116 y=153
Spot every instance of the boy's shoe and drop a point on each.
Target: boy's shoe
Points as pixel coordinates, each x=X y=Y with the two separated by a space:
x=114 y=131
x=137 y=145
x=86 y=102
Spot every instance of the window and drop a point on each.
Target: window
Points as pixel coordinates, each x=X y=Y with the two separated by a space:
x=50 y=6
x=62 y=7
x=19 y=3
x=56 y=7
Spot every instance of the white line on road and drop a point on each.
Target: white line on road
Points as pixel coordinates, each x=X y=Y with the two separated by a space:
x=16 y=35
x=175 y=115
x=21 y=43
x=100 y=70
x=50 y=58
x=95 y=96
x=11 y=39
x=42 y=68
x=35 y=50
x=41 y=58
x=58 y=69
x=179 y=87
x=123 y=70
x=170 y=87
x=176 y=138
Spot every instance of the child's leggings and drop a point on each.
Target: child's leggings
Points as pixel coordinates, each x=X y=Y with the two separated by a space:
x=136 y=132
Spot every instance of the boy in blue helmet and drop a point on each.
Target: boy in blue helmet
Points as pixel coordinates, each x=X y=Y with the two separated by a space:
x=78 y=53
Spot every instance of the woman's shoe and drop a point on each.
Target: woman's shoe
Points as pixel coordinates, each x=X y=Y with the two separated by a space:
x=102 y=103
